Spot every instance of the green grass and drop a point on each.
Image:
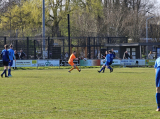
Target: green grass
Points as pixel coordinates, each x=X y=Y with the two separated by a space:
x=56 y=94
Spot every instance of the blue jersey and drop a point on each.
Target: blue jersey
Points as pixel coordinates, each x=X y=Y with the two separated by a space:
x=5 y=55
x=11 y=54
x=112 y=57
x=157 y=63
x=108 y=57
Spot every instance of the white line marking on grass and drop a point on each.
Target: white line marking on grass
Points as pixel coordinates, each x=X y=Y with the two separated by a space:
x=80 y=109
x=122 y=107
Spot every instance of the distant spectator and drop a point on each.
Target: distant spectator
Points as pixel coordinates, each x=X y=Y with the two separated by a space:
x=22 y=54
x=150 y=55
x=16 y=54
x=61 y=56
x=104 y=56
x=126 y=55
x=66 y=56
x=114 y=54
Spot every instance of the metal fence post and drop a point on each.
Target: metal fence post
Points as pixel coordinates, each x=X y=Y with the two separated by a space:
x=34 y=49
x=108 y=40
x=16 y=45
x=4 y=40
x=69 y=44
x=94 y=47
x=89 y=48
x=63 y=48
x=126 y=39
x=48 y=46
x=27 y=47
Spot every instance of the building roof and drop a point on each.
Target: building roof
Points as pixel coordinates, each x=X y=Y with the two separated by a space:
x=132 y=44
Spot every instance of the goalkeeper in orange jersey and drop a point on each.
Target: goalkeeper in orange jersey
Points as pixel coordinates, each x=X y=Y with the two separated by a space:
x=70 y=61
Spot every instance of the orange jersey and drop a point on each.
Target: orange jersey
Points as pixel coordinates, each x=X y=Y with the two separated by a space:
x=72 y=57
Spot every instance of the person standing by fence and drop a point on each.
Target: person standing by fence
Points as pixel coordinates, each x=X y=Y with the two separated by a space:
x=22 y=54
x=16 y=55
x=126 y=55
x=150 y=55
x=6 y=60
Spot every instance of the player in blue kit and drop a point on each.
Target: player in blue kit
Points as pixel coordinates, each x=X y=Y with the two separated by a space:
x=108 y=58
x=113 y=56
x=11 y=56
x=5 y=58
x=157 y=79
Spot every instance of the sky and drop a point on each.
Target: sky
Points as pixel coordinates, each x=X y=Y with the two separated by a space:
x=154 y=1
x=158 y=6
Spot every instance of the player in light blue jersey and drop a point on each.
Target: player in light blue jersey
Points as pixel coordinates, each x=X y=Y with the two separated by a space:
x=157 y=79
x=11 y=56
x=107 y=63
x=5 y=58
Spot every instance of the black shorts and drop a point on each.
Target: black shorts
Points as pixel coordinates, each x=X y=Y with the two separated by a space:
x=110 y=63
x=5 y=63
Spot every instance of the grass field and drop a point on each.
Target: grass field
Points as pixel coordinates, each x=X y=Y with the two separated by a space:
x=56 y=94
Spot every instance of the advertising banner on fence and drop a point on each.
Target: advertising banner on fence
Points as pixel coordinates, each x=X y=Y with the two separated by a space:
x=90 y=63
x=13 y=65
x=150 y=62
x=129 y=62
x=141 y=62
x=48 y=63
x=24 y=63
x=115 y=62
x=124 y=62
x=133 y=62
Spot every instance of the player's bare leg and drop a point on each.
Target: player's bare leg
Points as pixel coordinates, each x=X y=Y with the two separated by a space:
x=77 y=67
x=71 y=69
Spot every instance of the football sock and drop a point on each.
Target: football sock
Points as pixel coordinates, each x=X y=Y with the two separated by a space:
x=102 y=68
x=158 y=99
x=77 y=68
x=109 y=67
x=9 y=72
x=4 y=72
x=71 y=69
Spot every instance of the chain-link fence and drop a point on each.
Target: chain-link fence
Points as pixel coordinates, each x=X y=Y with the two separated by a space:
x=59 y=47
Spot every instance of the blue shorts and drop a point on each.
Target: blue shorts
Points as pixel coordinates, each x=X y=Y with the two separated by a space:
x=158 y=77
x=10 y=63
x=107 y=63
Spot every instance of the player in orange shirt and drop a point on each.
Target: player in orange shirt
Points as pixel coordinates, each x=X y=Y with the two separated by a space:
x=70 y=61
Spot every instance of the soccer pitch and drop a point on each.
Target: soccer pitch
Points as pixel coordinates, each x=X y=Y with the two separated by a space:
x=56 y=94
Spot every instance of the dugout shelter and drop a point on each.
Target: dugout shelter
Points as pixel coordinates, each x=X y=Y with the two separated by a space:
x=134 y=49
